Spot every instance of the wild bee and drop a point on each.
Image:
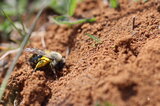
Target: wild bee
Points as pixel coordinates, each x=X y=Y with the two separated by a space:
x=41 y=58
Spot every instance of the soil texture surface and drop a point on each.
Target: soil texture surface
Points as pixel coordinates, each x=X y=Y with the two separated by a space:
x=122 y=70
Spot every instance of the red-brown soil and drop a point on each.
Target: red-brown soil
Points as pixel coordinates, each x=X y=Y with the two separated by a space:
x=123 y=70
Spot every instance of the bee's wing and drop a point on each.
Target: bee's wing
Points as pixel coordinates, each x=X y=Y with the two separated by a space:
x=46 y=53
x=35 y=51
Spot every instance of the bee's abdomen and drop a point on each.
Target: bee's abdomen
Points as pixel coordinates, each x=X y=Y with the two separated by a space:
x=34 y=59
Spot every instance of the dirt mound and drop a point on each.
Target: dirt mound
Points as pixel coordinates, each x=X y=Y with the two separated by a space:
x=122 y=70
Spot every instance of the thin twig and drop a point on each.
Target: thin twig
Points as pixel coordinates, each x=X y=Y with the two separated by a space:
x=11 y=68
x=105 y=2
x=9 y=52
x=67 y=52
x=133 y=23
x=40 y=34
x=43 y=41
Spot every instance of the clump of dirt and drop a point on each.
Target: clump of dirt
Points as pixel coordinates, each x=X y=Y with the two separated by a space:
x=122 y=70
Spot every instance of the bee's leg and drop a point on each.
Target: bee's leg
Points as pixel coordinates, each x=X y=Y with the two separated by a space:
x=38 y=65
x=35 y=69
x=52 y=64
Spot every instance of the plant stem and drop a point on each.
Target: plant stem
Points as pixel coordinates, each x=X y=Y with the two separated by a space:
x=11 y=68
x=11 y=22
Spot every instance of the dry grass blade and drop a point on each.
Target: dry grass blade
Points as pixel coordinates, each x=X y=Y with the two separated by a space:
x=9 y=52
x=11 y=68
x=97 y=40
x=11 y=21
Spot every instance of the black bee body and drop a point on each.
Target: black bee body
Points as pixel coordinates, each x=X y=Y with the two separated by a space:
x=34 y=59
x=42 y=59
x=60 y=65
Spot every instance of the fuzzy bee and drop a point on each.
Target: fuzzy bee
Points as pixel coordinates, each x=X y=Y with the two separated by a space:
x=41 y=58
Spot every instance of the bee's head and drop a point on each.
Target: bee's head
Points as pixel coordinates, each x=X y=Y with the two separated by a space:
x=60 y=61
x=60 y=64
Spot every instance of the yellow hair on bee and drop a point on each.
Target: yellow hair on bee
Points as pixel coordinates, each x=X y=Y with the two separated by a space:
x=43 y=61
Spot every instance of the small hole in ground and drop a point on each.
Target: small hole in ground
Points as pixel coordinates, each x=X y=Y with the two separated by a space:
x=127 y=91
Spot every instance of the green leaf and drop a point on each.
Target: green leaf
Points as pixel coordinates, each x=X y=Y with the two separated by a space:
x=114 y=3
x=145 y=0
x=13 y=6
x=5 y=29
x=104 y=104
x=60 y=6
x=97 y=40
x=5 y=26
x=107 y=104
x=60 y=20
x=11 y=22
x=9 y=10
x=64 y=7
x=71 y=7
x=140 y=0
x=22 y=4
